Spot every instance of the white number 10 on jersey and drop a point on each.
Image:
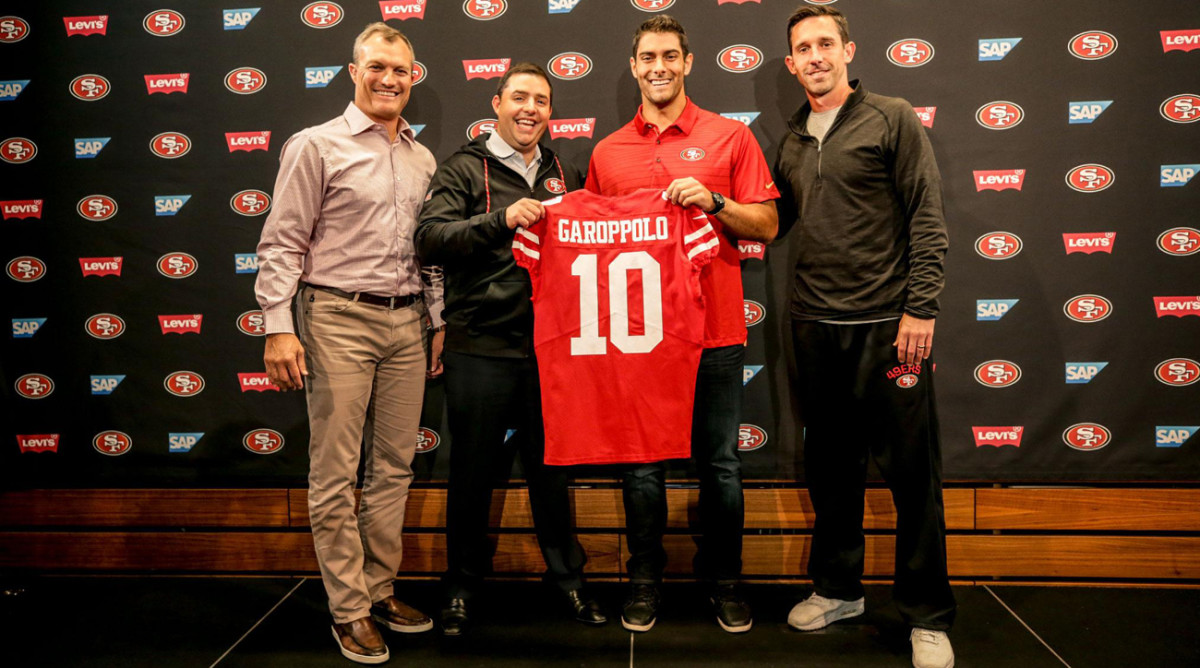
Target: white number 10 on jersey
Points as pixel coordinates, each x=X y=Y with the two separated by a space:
x=589 y=341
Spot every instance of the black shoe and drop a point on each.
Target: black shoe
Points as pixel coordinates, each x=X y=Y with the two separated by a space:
x=586 y=609
x=641 y=609
x=733 y=613
x=454 y=617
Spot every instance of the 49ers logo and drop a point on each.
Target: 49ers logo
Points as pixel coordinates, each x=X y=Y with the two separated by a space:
x=480 y=127
x=90 y=87
x=1090 y=178
x=740 y=58
x=555 y=185
x=322 y=14
x=1088 y=308
x=245 y=80
x=263 y=441
x=112 y=443
x=34 y=386
x=997 y=373
x=1092 y=45
x=998 y=245
x=105 y=326
x=250 y=202
x=177 y=265
x=1087 y=436
x=1000 y=115
x=26 y=269
x=17 y=150
x=485 y=10
x=1181 y=108
x=427 y=440
x=163 y=22
x=251 y=323
x=693 y=154
x=652 y=5
x=1180 y=241
x=1177 y=372
x=184 y=383
x=13 y=29
x=418 y=72
x=170 y=145
x=570 y=65
x=910 y=52
x=751 y=437
x=97 y=207
x=754 y=312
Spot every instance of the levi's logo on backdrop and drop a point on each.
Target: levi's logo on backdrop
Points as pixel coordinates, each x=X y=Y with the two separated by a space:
x=926 y=114
x=322 y=15
x=1174 y=176
x=86 y=25
x=1085 y=112
x=248 y=141
x=485 y=10
x=238 y=19
x=1081 y=373
x=997 y=49
x=487 y=68
x=1177 y=306
x=37 y=442
x=256 y=382
x=101 y=266
x=572 y=128
x=999 y=179
x=22 y=208
x=167 y=83
x=998 y=436
x=180 y=324
x=751 y=250
x=402 y=9
x=9 y=90
x=1089 y=242
x=1180 y=40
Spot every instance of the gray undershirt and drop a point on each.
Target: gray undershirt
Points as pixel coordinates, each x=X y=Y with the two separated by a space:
x=819 y=123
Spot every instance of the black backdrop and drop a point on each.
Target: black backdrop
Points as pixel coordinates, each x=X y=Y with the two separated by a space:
x=1148 y=143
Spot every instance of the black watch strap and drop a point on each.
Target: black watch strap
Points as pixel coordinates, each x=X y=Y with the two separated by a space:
x=718 y=204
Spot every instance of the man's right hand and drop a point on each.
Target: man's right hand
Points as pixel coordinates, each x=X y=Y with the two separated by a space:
x=284 y=359
x=523 y=213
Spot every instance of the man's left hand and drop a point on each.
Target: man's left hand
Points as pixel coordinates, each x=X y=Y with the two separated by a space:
x=435 y=353
x=914 y=342
x=690 y=192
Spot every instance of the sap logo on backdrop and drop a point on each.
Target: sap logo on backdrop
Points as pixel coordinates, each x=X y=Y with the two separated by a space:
x=184 y=383
x=1092 y=45
x=998 y=436
x=1178 y=241
x=34 y=386
x=9 y=90
x=1180 y=40
x=418 y=73
x=652 y=5
x=1177 y=372
x=485 y=10
x=997 y=49
x=1087 y=308
x=104 y=385
x=245 y=263
x=90 y=87
x=167 y=83
x=990 y=310
x=1089 y=242
x=998 y=245
x=1181 y=108
x=487 y=68
x=910 y=52
x=740 y=58
x=751 y=437
x=1173 y=437
x=164 y=23
x=245 y=80
x=112 y=443
x=481 y=126
x=251 y=323
x=1087 y=436
x=1090 y=178
x=1000 y=115
x=1085 y=112
x=259 y=140
x=751 y=250
x=183 y=441
x=997 y=373
x=263 y=441
x=561 y=6
x=749 y=372
x=13 y=29
x=90 y=147
x=238 y=19
x=170 y=145
x=169 y=205
x=17 y=150
x=402 y=9
x=1080 y=373
x=25 y=328
x=999 y=179
x=26 y=269
x=37 y=442
x=105 y=326
x=569 y=66
x=754 y=312
x=926 y=114
x=745 y=117
x=180 y=324
x=256 y=382
x=428 y=440
x=97 y=207
x=322 y=14
x=1174 y=176
x=101 y=266
x=22 y=208
x=177 y=265
x=572 y=128
x=86 y=25
x=319 y=77
x=250 y=202
x=1177 y=306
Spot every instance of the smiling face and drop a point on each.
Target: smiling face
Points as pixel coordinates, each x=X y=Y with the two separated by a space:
x=523 y=111
x=660 y=67
x=818 y=57
x=382 y=75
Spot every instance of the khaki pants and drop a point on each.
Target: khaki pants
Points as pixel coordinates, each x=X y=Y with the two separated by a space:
x=366 y=380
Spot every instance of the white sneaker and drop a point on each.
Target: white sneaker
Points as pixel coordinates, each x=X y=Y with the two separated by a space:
x=817 y=612
x=931 y=649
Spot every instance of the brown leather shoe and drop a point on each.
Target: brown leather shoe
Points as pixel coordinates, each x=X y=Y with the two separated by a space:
x=360 y=641
x=400 y=617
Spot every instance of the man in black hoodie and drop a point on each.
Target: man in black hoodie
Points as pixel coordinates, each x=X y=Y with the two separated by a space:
x=859 y=182
x=478 y=196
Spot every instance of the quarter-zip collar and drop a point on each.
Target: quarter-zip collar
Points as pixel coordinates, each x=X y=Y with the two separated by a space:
x=799 y=121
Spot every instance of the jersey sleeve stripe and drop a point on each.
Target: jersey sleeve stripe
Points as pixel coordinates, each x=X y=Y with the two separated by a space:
x=700 y=248
x=703 y=231
x=518 y=246
x=528 y=235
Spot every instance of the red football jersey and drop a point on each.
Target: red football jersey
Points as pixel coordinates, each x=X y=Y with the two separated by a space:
x=618 y=323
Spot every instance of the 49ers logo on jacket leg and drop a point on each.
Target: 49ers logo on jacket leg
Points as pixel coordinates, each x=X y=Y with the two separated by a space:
x=1090 y=178
x=250 y=202
x=26 y=269
x=997 y=373
x=1180 y=241
x=263 y=441
x=555 y=185
x=322 y=14
x=998 y=245
x=170 y=145
x=245 y=80
x=16 y=150
x=112 y=443
x=1181 y=108
x=1092 y=45
x=1088 y=308
x=910 y=52
x=740 y=58
x=90 y=87
x=13 y=29
x=97 y=207
x=251 y=323
x=1177 y=372
x=184 y=383
x=34 y=386
x=570 y=65
x=1087 y=436
x=1000 y=115
x=751 y=437
x=164 y=22
x=427 y=440
x=105 y=326
x=485 y=10
x=754 y=312
x=481 y=126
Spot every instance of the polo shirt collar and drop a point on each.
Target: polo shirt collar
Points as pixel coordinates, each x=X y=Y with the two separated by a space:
x=359 y=122
x=503 y=150
x=685 y=122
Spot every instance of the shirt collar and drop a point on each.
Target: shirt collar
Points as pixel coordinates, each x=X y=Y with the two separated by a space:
x=359 y=122
x=503 y=150
x=685 y=122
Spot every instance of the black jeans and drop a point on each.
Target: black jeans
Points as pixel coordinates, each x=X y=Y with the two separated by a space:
x=716 y=418
x=857 y=399
x=487 y=396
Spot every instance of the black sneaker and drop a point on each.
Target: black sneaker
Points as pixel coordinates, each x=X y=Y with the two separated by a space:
x=733 y=613
x=641 y=609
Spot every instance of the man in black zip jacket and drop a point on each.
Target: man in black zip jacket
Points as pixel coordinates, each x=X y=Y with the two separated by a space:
x=477 y=198
x=859 y=182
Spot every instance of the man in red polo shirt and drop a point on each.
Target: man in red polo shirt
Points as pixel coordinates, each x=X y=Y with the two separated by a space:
x=705 y=160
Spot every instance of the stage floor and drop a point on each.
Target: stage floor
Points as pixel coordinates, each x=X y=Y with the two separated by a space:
x=270 y=621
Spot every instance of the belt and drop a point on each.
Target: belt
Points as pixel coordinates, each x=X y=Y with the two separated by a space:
x=392 y=303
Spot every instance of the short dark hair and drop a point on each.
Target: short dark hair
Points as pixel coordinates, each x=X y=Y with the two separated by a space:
x=662 y=23
x=810 y=11
x=524 y=68
x=380 y=29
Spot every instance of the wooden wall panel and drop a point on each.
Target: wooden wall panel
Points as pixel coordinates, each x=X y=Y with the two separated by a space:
x=1130 y=557
x=1089 y=509
x=145 y=507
